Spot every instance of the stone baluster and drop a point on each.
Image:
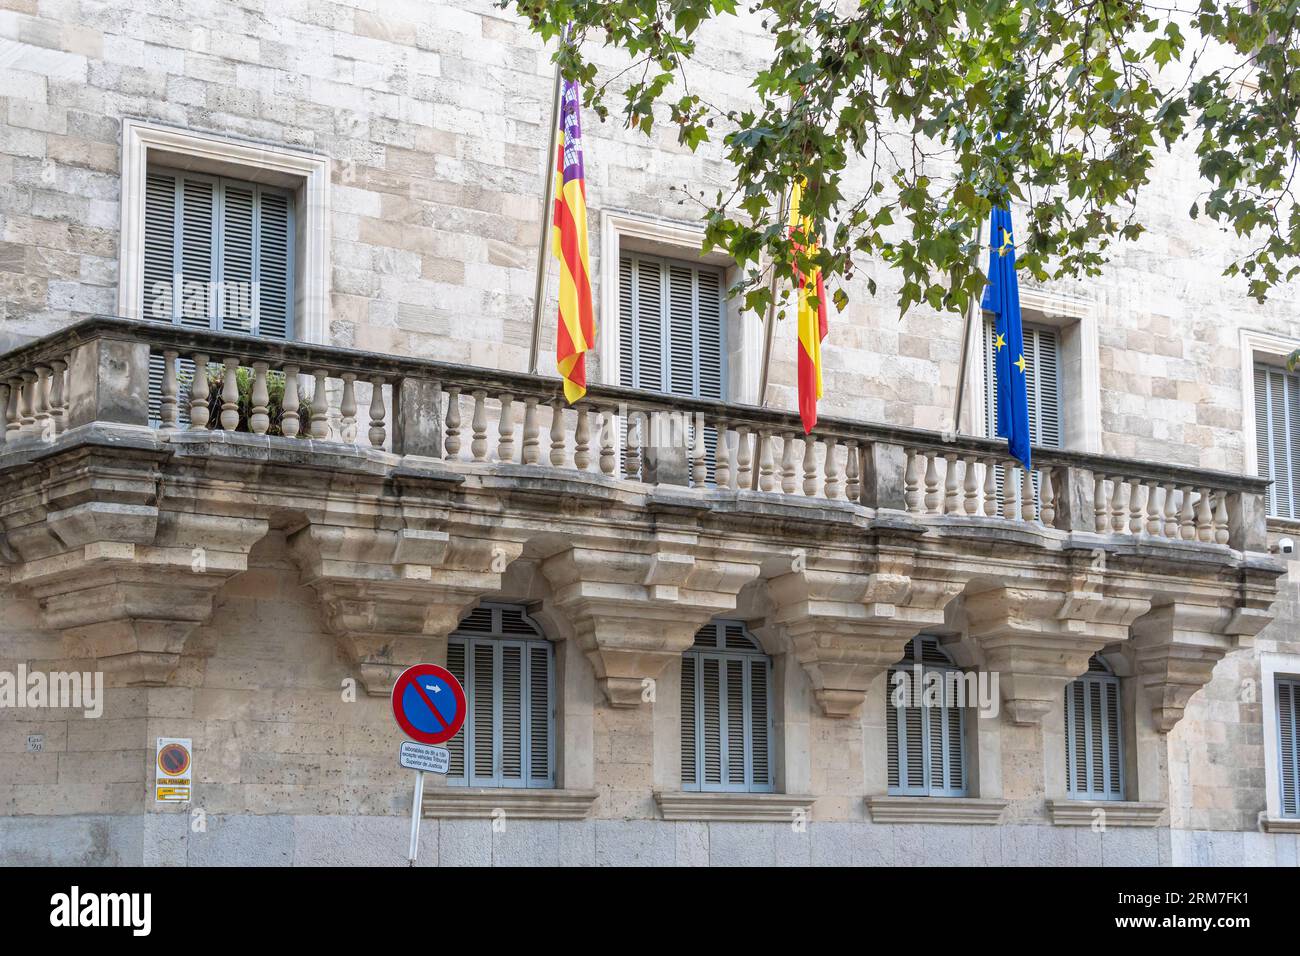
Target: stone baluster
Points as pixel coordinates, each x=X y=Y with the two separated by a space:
x=452 y=440
x=1026 y=494
x=289 y=424
x=59 y=393
x=1221 y=518
x=990 y=487
x=852 y=475
x=1047 y=492
x=319 y=426
x=744 y=460
x=377 y=414
x=259 y=419
x=506 y=429
x=1101 y=514
x=532 y=440
x=632 y=466
x=478 y=443
x=199 y=394
x=722 y=458
x=1186 y=521
x=608 y=443
x=1154 y=521
x=951 y=497
x=789 y=477
x=348 y=409
x=168 y=419
x=1171 y=512
x=912 y=482
x=809 y=466
x=1010 y=492
x=766 y=467
x=1204 y=521
x=4 y=408
x=230 y=395
x=1135 y=506
x=831 y=468
x=28 y=419
x=557 y=434
x=13 y=408
x=1118 y=507
x=969 y=486
x=582 y=442
x=933 y=498
x=699 y=454
x=41 y=403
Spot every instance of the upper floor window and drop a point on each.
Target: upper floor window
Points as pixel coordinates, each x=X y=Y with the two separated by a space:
x=1042 y=383
x=1094 y=750
x=1277 y=437
x=925 y=726
x=506 y=666
x=218 y=253
x=726 y=711
x=1288 y=743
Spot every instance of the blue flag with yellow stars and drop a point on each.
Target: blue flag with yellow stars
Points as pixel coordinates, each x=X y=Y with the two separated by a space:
x=1002 y=298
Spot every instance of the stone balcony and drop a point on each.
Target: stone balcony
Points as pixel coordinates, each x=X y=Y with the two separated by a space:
x=412 y=489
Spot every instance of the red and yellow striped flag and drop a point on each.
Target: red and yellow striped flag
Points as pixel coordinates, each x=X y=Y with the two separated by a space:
x=812 y=324
x=576 y=334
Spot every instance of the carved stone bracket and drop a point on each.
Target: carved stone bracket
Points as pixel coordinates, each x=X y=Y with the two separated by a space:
x=633 y=612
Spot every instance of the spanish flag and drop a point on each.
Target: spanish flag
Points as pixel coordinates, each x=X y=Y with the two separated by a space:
x=812 y=325
x=576 y=334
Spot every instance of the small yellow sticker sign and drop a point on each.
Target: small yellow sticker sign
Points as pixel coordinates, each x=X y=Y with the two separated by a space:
x=173 y=770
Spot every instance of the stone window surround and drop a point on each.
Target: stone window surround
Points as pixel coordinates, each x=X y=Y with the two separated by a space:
x=1080 y=373
x=1271 y=666
x=675 y=240
x=1255 y=347
x=308 y=174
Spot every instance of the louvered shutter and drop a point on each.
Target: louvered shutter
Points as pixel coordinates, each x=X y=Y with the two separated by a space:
x=507 y=668
x=925 y=739
x=1094 y=735
x=726 y=711
x=1288 y=718
x=275 y=239
x=1277 y=437
x=238 y=254
x=160 y=233
x=198 y=252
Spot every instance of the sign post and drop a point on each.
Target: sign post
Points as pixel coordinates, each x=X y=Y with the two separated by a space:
x=429 y=706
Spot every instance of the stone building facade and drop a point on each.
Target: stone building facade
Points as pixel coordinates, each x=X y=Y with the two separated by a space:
x=258 y=594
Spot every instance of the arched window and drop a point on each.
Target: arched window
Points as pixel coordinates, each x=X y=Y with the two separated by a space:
x=926 y=728
x=1094 y=748
x=506 y=666
x=726 y=711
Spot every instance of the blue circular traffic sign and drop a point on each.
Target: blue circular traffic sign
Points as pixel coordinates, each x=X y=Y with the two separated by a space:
x=429 y=703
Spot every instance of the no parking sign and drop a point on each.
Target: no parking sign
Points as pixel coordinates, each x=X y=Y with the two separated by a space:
x=429 y=706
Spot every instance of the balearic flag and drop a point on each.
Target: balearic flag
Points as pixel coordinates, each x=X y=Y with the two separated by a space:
x=812 y=322
x=576 y=334
x=1002 y=298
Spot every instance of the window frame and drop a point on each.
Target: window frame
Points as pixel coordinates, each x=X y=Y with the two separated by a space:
x=1103 y=679
x=499 y=642
x=897 y=717
x=1291 y=681
x=748 y=658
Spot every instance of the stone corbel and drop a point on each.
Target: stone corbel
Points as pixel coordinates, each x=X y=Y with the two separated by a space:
x=1176 y=648
x=130 y=584
x=1038 y=637
x=848 y=624
x=633 y=612
x=391 y=596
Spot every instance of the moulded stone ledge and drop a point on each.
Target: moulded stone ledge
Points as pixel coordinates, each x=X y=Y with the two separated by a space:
x=737 y=807
x=1118 y=813
x=1279 y=825
x=973 y=810
x=466 y=802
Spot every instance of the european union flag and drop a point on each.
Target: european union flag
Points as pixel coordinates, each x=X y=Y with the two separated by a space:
x=1002 y=298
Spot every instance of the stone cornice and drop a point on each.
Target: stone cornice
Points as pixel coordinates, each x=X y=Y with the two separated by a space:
x=521 y=804
x=971 y=810
x=740 y=807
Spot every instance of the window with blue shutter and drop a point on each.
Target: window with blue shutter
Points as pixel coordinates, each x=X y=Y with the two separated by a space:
x=1094 y=732
x=218 y=254
x=672 y=330
x=1277 y=437
x=726 y=711
x=1288 y=742
x=1043 y=389
x=506 y=665
x=925 y=732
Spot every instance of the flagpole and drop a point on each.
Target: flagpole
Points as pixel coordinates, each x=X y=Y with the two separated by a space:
x=965 y=342
x=548 y=211
x=770 y=331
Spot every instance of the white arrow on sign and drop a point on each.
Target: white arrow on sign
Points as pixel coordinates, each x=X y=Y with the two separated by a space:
x=423 y=757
